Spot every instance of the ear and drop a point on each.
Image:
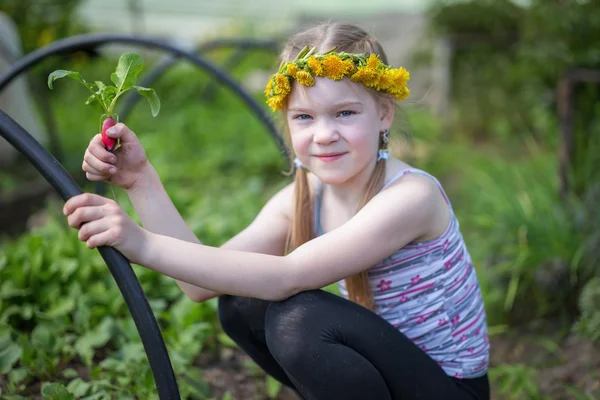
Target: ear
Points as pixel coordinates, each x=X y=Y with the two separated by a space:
x=387 y=107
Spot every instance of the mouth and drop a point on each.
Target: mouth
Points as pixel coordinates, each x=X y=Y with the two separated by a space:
x=328 y=157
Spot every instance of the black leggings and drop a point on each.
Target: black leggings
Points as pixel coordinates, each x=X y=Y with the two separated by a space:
x=326 y=348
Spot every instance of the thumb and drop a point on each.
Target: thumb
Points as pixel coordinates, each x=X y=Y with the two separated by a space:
x=121 y=131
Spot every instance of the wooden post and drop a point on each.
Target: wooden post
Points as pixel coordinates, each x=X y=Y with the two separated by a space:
x=566 y=112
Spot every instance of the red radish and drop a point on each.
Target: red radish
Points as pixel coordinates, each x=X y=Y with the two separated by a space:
x=108 y=142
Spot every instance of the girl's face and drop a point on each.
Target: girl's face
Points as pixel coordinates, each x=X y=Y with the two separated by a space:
x=334 y=128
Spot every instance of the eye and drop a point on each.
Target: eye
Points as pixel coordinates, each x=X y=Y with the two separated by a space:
x=302 y=117
x=346 y=113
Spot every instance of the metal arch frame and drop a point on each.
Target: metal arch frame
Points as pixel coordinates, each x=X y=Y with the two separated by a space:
x=94 y=40
x=65 y=185
x=167 y=61
x=119 y=266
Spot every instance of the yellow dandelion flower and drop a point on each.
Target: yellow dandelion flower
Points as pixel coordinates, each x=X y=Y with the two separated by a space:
x=367 y=76
x=304 y=78
x=385 y=81
x=335 y=68
x=405 y=93
x=315 y=65
x=291 y=69
x=399 y=76
x=282 y=84
x=401 y=93
x=362 y=75
x=276 y=102
x=269 y=87
x=373 y=61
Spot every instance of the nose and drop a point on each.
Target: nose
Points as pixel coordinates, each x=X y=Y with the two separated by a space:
x=326 y=133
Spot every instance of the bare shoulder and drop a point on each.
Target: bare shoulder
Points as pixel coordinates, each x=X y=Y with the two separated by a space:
x=282 y=201
x=423 y=195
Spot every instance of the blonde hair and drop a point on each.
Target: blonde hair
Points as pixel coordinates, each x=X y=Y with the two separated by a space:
x=350 y=39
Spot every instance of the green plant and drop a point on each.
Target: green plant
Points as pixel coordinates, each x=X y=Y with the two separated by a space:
x=588 y=324
x=57 y=291
x=105 y=96
x=516 y=381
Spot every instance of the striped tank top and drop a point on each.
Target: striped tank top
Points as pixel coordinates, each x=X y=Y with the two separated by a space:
x=430 y=292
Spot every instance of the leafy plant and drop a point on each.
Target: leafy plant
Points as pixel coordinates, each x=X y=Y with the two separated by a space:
x=515 y=381
x=105 y=97
x=588 y=324
x=55 y=289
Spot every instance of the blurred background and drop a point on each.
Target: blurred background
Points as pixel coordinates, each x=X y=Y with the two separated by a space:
x=505 y=111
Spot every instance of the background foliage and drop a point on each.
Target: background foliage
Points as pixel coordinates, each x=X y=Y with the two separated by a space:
x=63 y=321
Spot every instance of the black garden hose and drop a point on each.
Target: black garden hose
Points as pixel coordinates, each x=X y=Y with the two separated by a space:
x=168 y=61
x=90 y=41
x=118 y=265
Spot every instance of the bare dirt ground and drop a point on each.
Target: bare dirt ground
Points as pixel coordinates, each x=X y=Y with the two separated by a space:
x=571 y=361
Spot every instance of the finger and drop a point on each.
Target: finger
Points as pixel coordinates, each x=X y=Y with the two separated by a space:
x=103 y=238
x=92 y=228
x=86 y=168
x=82 y=200
x=96 y=177
x=97 y=149
x=97 y=165
x=121 y=131
x=84 y=215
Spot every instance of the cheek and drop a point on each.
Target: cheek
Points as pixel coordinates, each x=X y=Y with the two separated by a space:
x=300 y=142
x=362 y=142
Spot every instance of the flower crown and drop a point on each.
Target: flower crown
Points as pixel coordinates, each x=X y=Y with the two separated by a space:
x=358 y=67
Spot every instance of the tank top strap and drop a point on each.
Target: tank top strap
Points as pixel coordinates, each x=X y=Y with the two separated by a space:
x=318 y=194
x=317 y=197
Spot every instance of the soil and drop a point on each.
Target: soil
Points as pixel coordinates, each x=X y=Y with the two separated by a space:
x=570 y=361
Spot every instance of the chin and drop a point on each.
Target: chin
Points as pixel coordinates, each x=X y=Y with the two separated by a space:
x=333 y=177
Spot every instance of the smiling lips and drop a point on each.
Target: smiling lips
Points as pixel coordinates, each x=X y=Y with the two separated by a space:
x=329 y=157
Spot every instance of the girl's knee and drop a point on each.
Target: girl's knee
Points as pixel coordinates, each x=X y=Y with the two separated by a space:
x=301 y=299
x=227 y=311
x=236 y=311
x=291 y=322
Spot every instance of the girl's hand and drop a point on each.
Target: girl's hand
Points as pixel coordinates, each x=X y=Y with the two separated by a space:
x=102 y=222
x=124 y=167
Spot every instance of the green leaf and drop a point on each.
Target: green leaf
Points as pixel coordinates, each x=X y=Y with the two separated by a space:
x=11 y=310
x=99 y=395
x=107 y=94
x=56 y=391
x=94 y=102
x=70 y=373
x=18 y=375
x=9 y=355
x=63 y=306
x=7 y=290
x=152 y=98
x=61 y=73
x=225 y=340
x=43 y=338
x=273 y=387
x=79 y=387
x=98 y=337
x=226 y=396
x=128 y=68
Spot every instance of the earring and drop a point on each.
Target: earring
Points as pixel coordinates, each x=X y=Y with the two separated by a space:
x=383 y=155
x=384 y=136
x=298 y=163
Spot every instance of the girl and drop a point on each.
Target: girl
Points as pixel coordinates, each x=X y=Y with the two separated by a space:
x=411 y=322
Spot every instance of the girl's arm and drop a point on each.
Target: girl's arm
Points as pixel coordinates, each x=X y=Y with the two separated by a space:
x=159 y=215
x=404 y=212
